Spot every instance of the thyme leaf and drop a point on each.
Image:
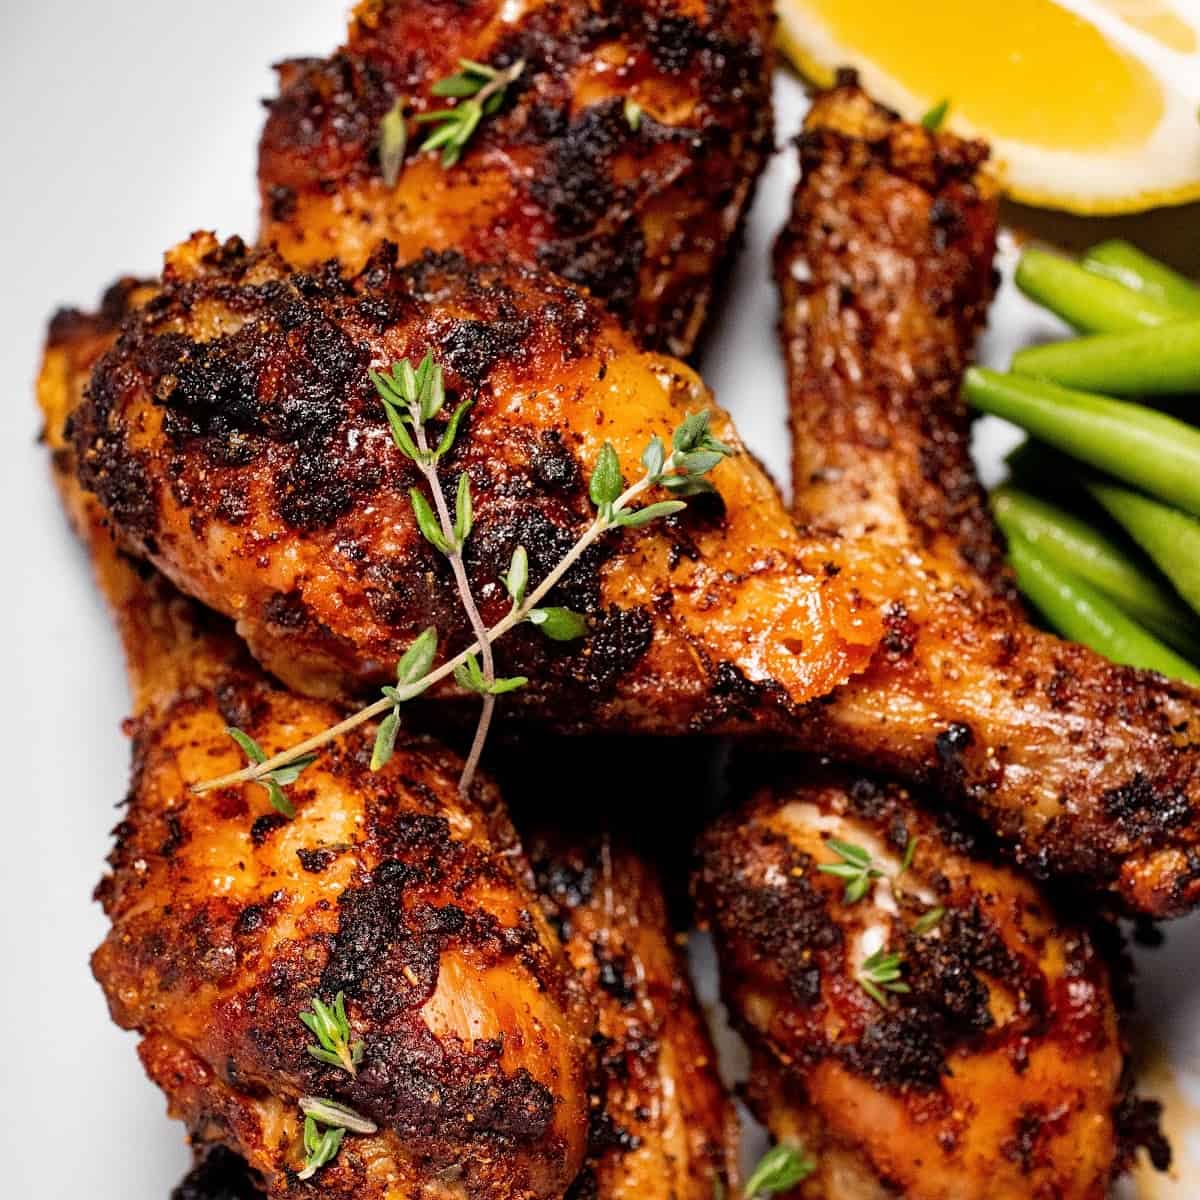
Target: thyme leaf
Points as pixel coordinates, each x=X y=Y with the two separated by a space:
x=782 y=1167
x=479 y=91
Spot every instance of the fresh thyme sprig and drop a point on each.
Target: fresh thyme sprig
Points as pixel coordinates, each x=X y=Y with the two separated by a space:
x=479 y=90
x=858 y=869
x=694 y=453
x=855 y=868
x=320 y=1147
x=881 y=973
x=782 y=1167
x=331 y=1027
x=322 y=1144
x=411 y=399
x=277 y=778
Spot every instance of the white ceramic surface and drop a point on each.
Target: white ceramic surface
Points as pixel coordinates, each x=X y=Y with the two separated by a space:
x=126 y=126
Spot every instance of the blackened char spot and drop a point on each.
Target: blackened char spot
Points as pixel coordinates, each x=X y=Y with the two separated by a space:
x=554 y=466
x=900 y=1049
x=1143 y=812
x=266 y=825
x=315 y=861
x=618 y=640
x=219 y=1175
x=473 y=348
x=1139 y=1125
x=953 y=742
x=614 y=976
x=286 y=610
x=565 y=882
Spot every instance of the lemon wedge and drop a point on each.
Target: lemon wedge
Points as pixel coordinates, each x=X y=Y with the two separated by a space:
x=1092 y=106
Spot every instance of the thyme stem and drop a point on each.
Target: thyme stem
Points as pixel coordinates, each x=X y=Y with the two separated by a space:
x=482 y=640
x=599 y=526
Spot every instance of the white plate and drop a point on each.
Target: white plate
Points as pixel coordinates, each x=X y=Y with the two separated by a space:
x=127 y=126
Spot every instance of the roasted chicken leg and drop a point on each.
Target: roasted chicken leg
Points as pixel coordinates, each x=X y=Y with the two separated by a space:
x=622 y=157
x=235 y=438
x=996 y=1067
x=388 y=887
x=1086 y=769
x=662 y=1124
x=994 y=1071
x=658 y=1121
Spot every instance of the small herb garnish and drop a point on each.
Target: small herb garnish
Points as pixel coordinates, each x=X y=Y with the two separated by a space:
x=331 y=1027
x=928 y=921
x=855 y=868
x=936 y=116
x=321 y=1145
x=479 y=90
x=780 y=1168
x=881 y=973
x=910 y=851
x=633 y=114
x=277 y=778
x=411 y=398
x=393 y=142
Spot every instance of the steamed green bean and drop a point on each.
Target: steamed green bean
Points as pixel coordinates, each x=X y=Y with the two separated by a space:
x=1082 y=613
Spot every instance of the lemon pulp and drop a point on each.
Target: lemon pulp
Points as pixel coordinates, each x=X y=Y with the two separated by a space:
x=1024 y=69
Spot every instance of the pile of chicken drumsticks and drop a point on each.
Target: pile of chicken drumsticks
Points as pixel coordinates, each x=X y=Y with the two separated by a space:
x=919 y=773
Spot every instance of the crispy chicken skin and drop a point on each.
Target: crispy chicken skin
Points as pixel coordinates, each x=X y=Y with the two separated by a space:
x=663 y=1126
x=1089 y=770
x=640 y=211
x=997 y=1077
x=227 y=919
x=235 y=439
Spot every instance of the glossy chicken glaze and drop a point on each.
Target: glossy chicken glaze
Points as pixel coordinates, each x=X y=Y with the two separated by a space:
x=227 y=918
x=235 y=439
x=640 y=211
x=1086 y=769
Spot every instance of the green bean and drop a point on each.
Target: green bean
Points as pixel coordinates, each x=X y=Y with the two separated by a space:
x=1075 y=546
x=1085 y=300
x=1170 y=538
x=1082 y=613
x=1153 y=362
x=1154 y=452
x=1155 y=281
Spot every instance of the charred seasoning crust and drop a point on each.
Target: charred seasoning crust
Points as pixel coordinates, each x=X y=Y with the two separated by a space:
x=584 y=179
x=792 y=936
x=411 y=899
x=218 y=1175
x=858 y=156
x=274 y=414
